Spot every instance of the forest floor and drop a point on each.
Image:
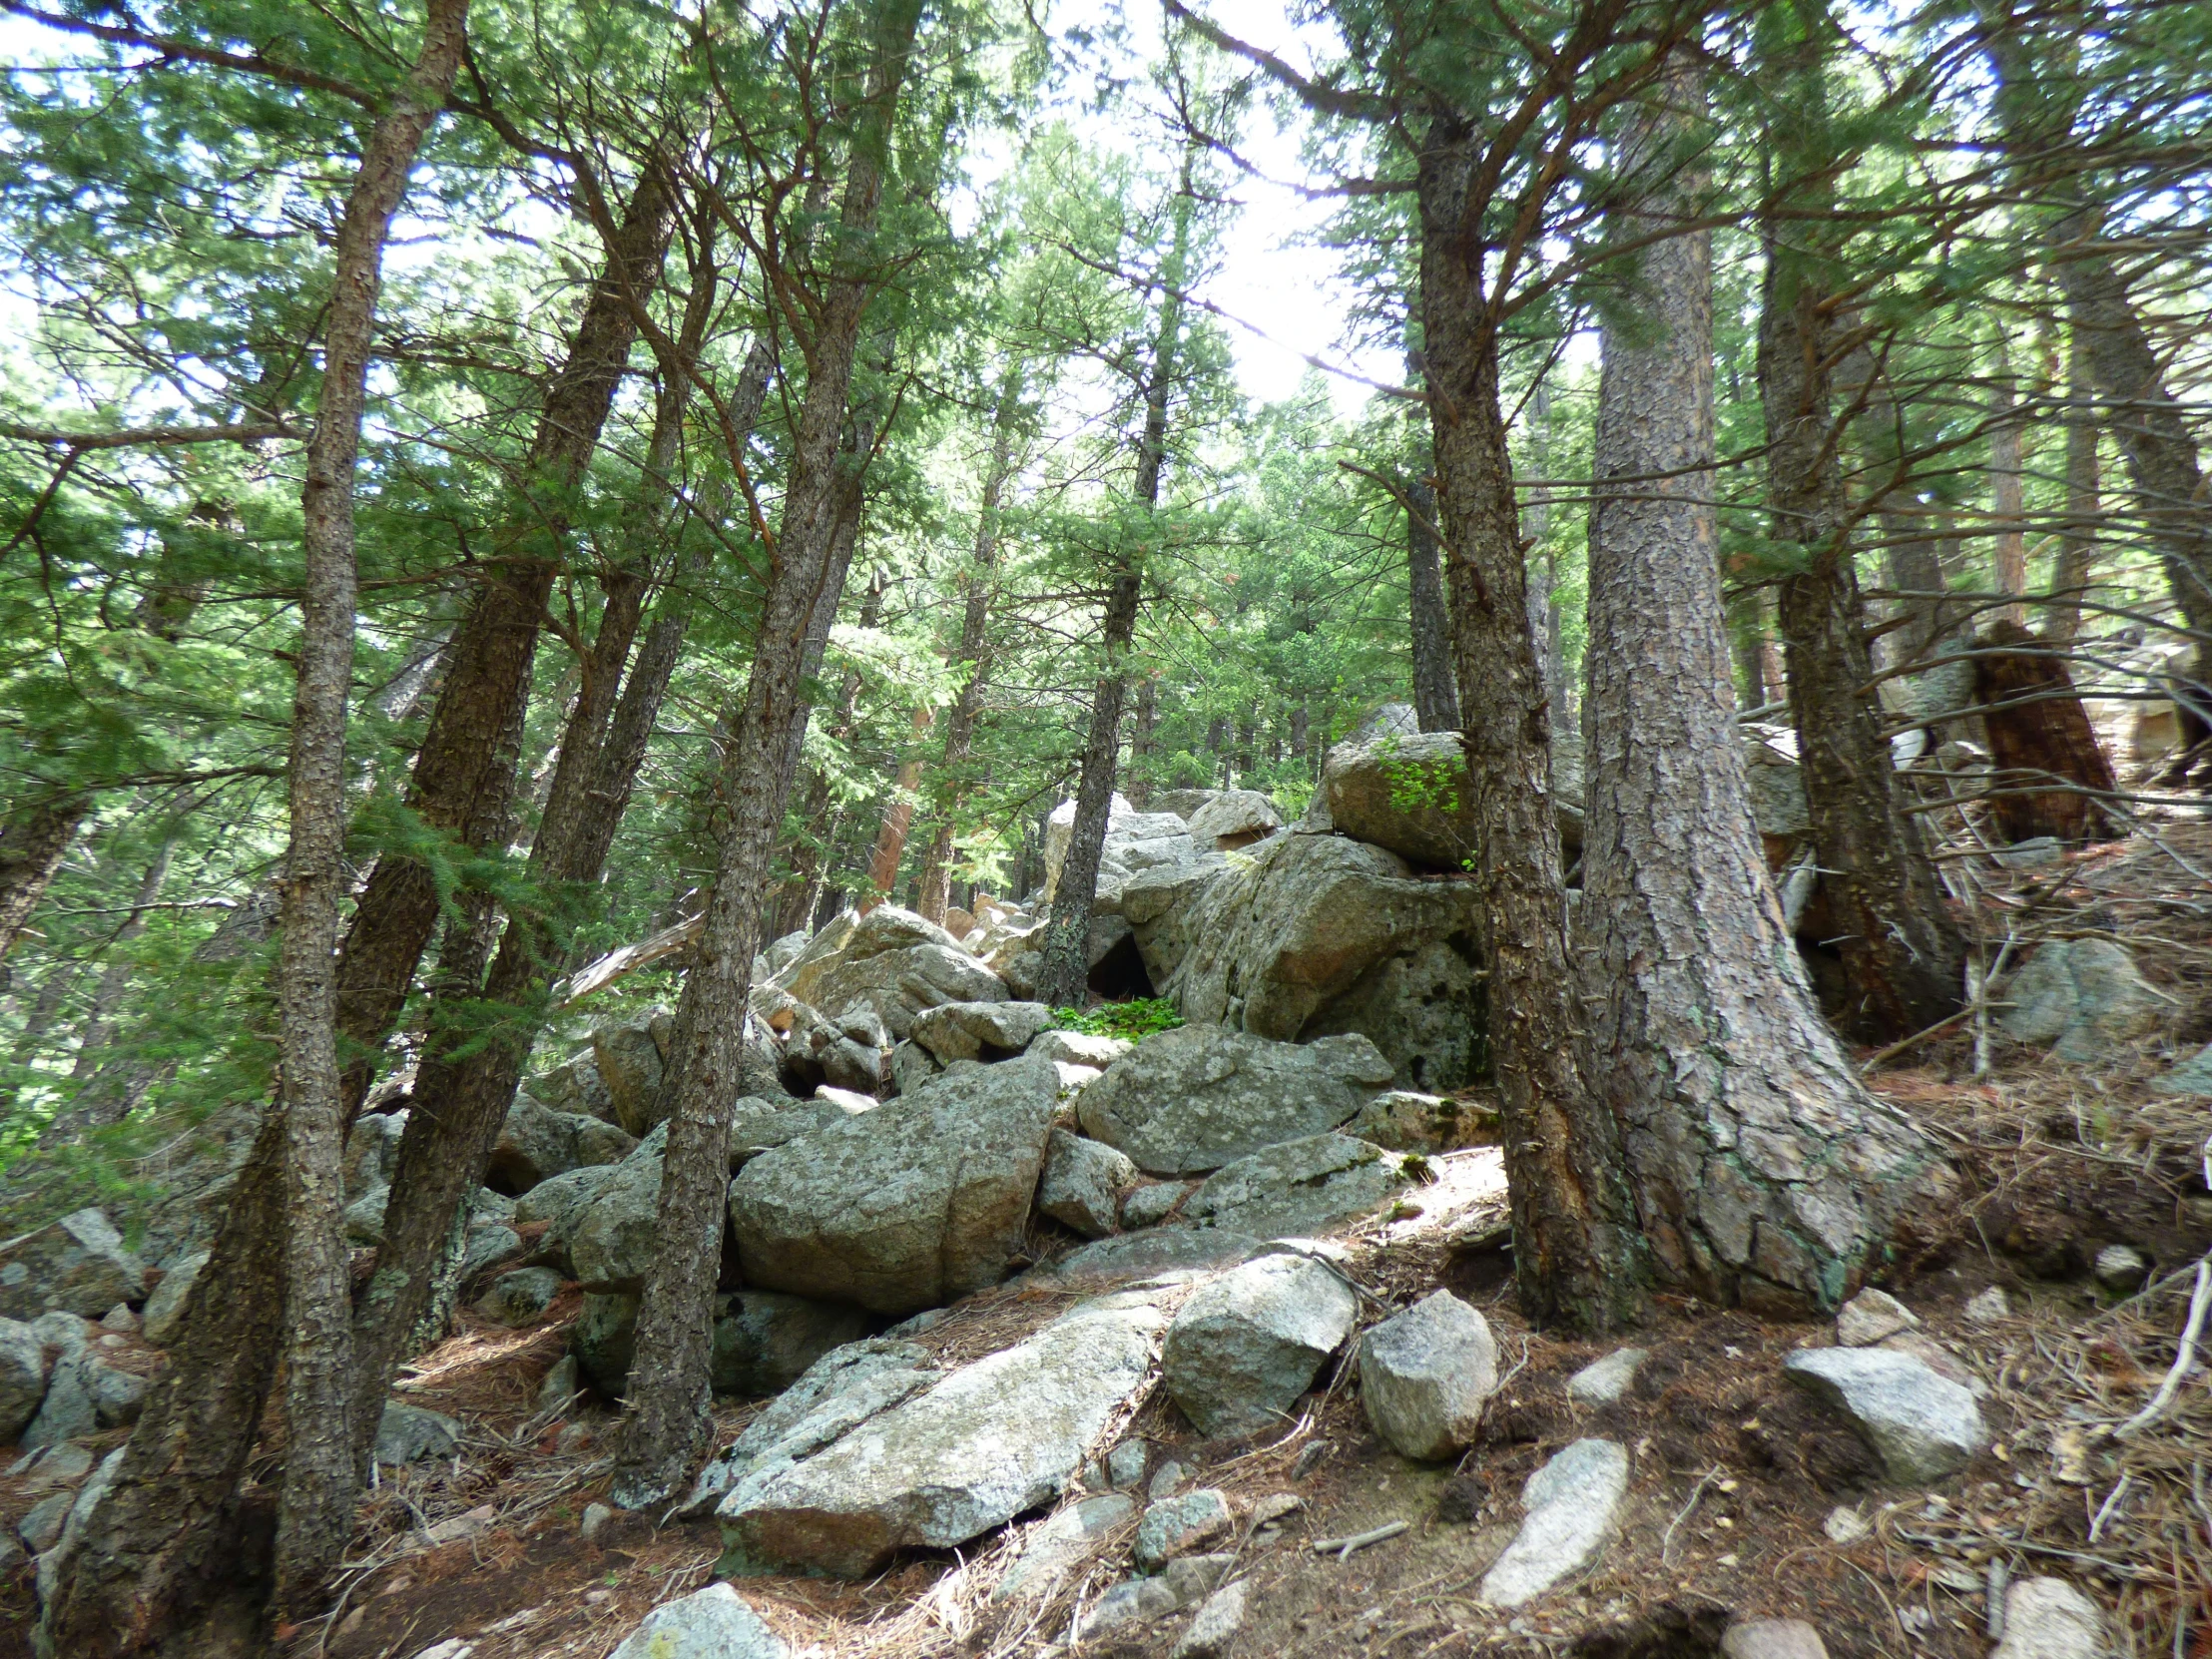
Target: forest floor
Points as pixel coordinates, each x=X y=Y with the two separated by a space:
x=1737 y=1479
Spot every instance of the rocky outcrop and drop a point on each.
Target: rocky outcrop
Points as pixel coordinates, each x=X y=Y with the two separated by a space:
x=906 y=1206
x=980 y=1030
x=1299 y=1187
x=77 y=1263
x=1247 y=1345
x=1307 y=935
x=1134 y=841
x=1234 y=819
x=1201 y=1096
x=629 y=1060
x=890 y=963
x=1000 y=1436
x=537 y=1142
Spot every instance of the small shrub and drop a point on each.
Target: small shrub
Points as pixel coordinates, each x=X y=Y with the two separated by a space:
x=1132 y=1021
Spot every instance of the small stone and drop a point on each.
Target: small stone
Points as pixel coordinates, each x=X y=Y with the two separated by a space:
x=1167 y=1479
x=1275 y=1506
x=1052 y=1548
x=1083 y=1183
x=2121 y=1266
x=2048 y=1618
x=1425 y=1374
x=561 y=1385
x=1844 y=1525
x=1148 y=1206
x=462 y=1526
x=53 y=1465
x=1179 y=1525
x=1870 y=1315
x=1248 y=1344
x=714 y=1623
x=1125 y=1463
x=1571 y=1503
x=1216 y=1625
x=121 y=1319
x=41 y=1527
x=1603 y=1382
x=1773 y=1639
x=519 y=1297
x=2191 y=1076
x=596 y=1515
x=1130 y=1602
x=409 y=1434
x=1921 y=1425
x=1989 y=1307
x=165 y=1309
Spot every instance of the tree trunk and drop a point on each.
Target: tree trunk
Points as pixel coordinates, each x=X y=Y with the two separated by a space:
x=959 y=724
x=1435 y=698
x=1764 y=1173
x=898 y=812
x=809 y=858
x=666 y=1418
x=2077 y=573
x=2045 y=752
x=279 y=1261
x=33 y=840
x=1577 y=1256
x=463 y=781
x=1902 y=957
x=1063 y=975
x=2007 y=511
x=461 y=1101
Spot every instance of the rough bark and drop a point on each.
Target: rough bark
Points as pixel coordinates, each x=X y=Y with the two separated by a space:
x=1575 y=1252
x=463 y=781
x=1063 y=975
x=666 y=1418
x=2007 y=510
x=281 y=1250
x=462 y=1099
x=34 y=837
x=1902 y=957
x=2052 y=776
x=2075 y=573
x=1764 y=1173
x=809 y=858
x=898 y=812
x=1435 y=698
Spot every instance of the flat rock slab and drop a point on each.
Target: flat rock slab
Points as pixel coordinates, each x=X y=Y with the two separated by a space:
x=906 y=1207
x=1201 y=1096
x=1133 y=1256
x=1000 y=1436
x=1425 y=1374
x=1247 y=1345
x=1053 y=1546
x=1571 y=1506
x=1300 y=1186
x=714 y=1623
x=1923 y=1425
x=1870 y=1317
x=1602 y=1382
x=1179 y=1525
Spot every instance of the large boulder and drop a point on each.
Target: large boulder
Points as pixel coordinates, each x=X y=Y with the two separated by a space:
x=891 y=962
x=1309 y=935
x=1201 y=1096
x=765 y=1340
x=1407 y=791
x=1000 y=1436
x=1234 y=819
x=980 y=1030
x=1248 y=1344
x=1083 y=1184
x=537 y=1142
x=614 y=1239
x=576 y=1086
x=79 y=1264
x=908 y=1206
x=372 y=1150
x=628 y=1059
x=22 y=1376
x=1134 y=841
x=1299 y=1187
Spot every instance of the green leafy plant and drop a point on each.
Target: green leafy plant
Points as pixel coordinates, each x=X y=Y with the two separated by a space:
x=1132 y=1021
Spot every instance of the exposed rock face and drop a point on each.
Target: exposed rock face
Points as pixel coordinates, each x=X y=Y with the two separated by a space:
x=1407 y=791
x=372 y=1150
x=537 y=1142
x=997 y=1437
x=891 y=963
x=1921 y=1425
x=1234 y=819
x=165 y=1309
x=1247 y=1345
x=1134 y=841
x=1311 y=934
x=1425 y=1374
x=1300 y=1186
x=1083 y=1183
x=1201 y=1096
x=1403 y=1121
x=2081 y=996
x=576 y=1086
x=518 y=1297
x=22 y=1376
x=79 y=1264
x=1570 y=1506
x=712 y=1623
x=979 y=1031
x=1143 y=1255
x=906 y=1207
x=628 y=1057
x=615 y=1236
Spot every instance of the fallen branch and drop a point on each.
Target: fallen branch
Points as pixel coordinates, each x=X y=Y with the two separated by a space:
x=2184 y=1356
x=597 y=977
x=1343 y=1548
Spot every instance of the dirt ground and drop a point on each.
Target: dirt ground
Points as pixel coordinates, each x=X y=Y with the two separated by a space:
x=1736 y=1478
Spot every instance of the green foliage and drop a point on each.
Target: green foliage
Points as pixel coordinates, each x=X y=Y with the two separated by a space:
x=1132 y=1021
